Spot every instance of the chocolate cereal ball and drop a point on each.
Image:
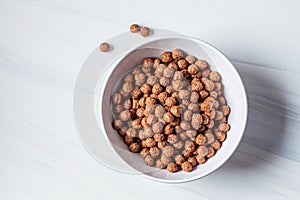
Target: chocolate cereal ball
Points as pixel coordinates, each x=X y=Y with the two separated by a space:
x=134 y=28
x=104 y=47
x=172 y=167
x=186 y=166
x=145 y=31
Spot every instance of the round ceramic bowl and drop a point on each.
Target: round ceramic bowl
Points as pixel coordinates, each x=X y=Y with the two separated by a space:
x=93 y=112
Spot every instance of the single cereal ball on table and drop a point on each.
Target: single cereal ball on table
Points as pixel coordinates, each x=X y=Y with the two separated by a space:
x=104 y=47
x=131 y=132
x=191 y=134
x=225 y=110
x=184 y=94
x=139 y=79
x=187 y=115
x=178 y=85
x=179 y=159
x=145 y=31
x=166 y=57
x=127 y=104
x=134 y=28
x=172 y=167
x=128 y=140
x=169 y=90
x=150 y=142
x=197 y=121
x=190 y=146
x=186 y=166
x=193 y=107
x=165 y=159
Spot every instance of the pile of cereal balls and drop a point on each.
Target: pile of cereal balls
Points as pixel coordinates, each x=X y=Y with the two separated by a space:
x=171 y=110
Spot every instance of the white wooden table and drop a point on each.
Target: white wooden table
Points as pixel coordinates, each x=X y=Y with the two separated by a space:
x=42 y=47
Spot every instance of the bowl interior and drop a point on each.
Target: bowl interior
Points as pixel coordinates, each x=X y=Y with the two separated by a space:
x=233 y=90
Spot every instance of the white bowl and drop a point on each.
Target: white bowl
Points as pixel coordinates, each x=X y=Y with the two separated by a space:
x=108 y=147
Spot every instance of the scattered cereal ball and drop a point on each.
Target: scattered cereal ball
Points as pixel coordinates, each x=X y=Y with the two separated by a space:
x=160 y=164
x=224 y=127
x=168 y=129
x=177 y=54
x=182 y=63
x=216 y=145
x=225 y=110
x=172 y=167
x=186 y=166
x=190 y=59
x=134 y=147
x=118 y=108
x=149 y=160
x=168 y=117
x=200 y=139
x=166 y=57
x=145 y=31
x=200 y=159
x=214 y=76
x=202 y=151
x=193 y=69
x=104 y=47
x=193 y=161
x=211 y=152
x=178 y=145
x=184 y=94
x=202 y=64
x=134 y=28
x=158 y=127
x=169 y=72
x=125 y=115
x=144 y=152
x=117 y=98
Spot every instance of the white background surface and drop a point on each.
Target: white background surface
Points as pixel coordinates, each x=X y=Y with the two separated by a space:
x=44 y=43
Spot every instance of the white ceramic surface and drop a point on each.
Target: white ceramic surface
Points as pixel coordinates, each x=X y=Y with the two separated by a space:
x=42 y=47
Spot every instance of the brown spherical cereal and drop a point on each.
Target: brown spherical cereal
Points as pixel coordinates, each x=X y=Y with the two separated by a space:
x=193 y=69
x=170 y=101
x=182 y=63
x=104 y=47
x=224 y=127
x=216 y=145
x=172 y=138
x=202 y=151
x=117 y=124
x=172 y=167
x=144 y=152
x=186 y=166
x=168 y=151
x=194 y=98
x=168 y=129
x=134 y=28
x=168 y=117
x=221 y=136
x=145 y=31
x=179 y=144
x=202 y=64
x=200 y=159
x=166 y=57
x=158 y=127
x=211 y=152
x=134 y=147
x=225 y=110
x=177 y=54
x=193 y=161
x=125 y=115
x=185 y=125
x=162 y=144
x=190 y=59
x=158 y=137
x=149 y=160
x=176 y=111
x=154 y=152
x=184 y=94
x=200 y=139
x=169 y=72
